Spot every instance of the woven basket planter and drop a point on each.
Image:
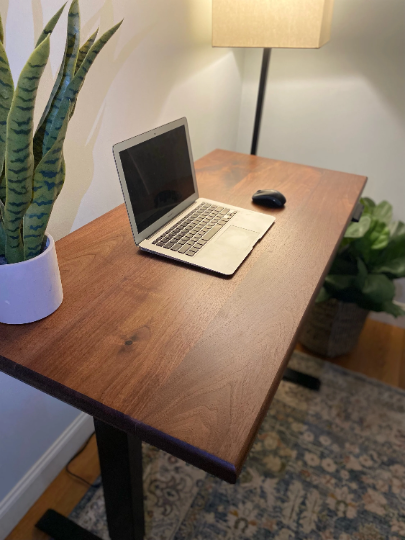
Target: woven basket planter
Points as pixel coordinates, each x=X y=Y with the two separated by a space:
x=333 y=328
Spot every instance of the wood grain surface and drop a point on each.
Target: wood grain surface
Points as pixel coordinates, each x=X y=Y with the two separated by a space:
x=186 y=359
x=379 y=345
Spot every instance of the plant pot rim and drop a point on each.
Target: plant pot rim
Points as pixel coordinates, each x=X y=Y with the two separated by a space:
x=50 y=242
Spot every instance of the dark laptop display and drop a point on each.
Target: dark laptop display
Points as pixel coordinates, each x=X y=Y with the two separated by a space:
x=167 y=215
x=158 y=175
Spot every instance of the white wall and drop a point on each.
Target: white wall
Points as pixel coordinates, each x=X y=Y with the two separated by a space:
x=341 y=107
x=158 y=67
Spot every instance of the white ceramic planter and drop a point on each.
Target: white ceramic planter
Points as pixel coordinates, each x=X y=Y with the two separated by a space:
x=31 y=290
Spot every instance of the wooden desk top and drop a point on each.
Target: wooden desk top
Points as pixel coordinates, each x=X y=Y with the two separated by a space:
x=185 y=359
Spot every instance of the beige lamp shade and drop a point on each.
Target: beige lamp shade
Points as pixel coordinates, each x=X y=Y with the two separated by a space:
x=301 y=24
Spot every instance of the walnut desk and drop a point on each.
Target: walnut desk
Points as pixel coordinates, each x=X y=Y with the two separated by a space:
x=162 y=352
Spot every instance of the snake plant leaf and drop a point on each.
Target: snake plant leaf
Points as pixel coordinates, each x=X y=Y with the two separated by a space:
x=6 y=97
x=2 y=231
x=2 y=187
x=65 y=74
x=2 y=241
x=48 y=180
x=84 y=49
x=59 y=184
x=1 y=31
x=50 y=26
x=76 y=84
x=19 y=161
x=81 y=56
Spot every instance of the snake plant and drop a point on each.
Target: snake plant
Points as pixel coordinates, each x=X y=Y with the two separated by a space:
x=32 y=167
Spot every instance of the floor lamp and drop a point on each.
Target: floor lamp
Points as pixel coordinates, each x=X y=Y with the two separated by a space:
x=292 y=24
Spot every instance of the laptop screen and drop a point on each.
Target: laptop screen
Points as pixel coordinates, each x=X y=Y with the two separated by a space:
x=158 y=175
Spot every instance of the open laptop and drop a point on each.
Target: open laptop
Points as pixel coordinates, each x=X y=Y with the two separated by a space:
x=167 y=216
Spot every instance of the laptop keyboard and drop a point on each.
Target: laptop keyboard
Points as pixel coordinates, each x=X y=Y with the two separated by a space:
x=195 y=229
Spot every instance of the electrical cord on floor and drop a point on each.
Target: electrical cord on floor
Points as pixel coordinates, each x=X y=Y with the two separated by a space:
x=96 y=484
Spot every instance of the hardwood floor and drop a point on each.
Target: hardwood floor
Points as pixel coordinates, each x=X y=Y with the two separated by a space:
x=62 y=495
x=380 y=354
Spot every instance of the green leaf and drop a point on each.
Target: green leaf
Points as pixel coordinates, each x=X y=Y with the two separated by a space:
x=368 y=204
x=362 y=274
x=392 y=308
x=50 y=26
x=19 y=163
x=2 y=232
x=375 y=239
x=397 y=229
x=378 y=288
x=323 y=295
x=81 y=56
x=6 y=97
x=370 y=256
x=48 y=180
x=2 y=187
x=2 y=240
x=1 y=31
x=379 y=236
x=383 y=212
x=339 y=282
x=76 y=83
x=65 y=75
x=341 y=265
x=396 y=244
x=84 y=49
x=394 y=268
x=359 y=229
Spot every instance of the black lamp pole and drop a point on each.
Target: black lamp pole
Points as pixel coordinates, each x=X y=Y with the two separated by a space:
x=260 y=99
x=290 y=375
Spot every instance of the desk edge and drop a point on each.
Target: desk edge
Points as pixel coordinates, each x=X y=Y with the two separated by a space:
x=182 y=450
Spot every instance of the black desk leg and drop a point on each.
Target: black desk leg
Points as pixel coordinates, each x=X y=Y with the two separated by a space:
x=121 y=472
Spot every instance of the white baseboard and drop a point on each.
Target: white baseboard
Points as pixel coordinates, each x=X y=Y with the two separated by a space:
x=20 y=499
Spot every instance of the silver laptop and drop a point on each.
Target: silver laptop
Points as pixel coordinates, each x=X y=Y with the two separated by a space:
x=168 y=217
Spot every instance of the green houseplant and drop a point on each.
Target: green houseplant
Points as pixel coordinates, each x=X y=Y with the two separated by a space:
x=361 y=279
x=32 y=166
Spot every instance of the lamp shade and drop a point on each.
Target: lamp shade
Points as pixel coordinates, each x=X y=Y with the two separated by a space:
x=302 y=24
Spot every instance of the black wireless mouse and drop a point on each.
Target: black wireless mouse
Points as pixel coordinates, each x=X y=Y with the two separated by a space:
x=269 y=197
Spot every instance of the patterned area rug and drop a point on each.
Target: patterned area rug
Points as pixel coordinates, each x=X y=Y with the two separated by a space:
x=326 y=465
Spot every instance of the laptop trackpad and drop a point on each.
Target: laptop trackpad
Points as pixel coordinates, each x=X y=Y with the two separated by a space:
x=227 y=250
